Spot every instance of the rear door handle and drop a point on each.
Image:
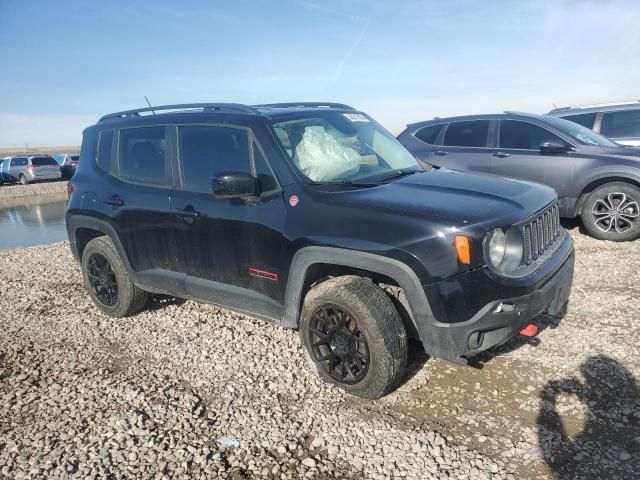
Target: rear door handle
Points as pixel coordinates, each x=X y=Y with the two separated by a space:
x=440 y=153
x=188 y=214
x=115 y=201
x=501 y=154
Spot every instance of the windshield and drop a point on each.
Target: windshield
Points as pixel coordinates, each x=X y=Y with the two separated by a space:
x=581 y=134
x=329 y=147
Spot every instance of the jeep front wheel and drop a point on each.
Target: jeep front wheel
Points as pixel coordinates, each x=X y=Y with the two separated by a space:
x=353 y=336
x=108 y=282
x=612 y=212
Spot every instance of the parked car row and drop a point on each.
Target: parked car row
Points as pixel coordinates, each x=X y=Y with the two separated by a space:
x=34 y=168
x=596 y=178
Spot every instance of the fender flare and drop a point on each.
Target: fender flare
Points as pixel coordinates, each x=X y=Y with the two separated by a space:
x=74 y=222
x=618 y=175
x=420 y=310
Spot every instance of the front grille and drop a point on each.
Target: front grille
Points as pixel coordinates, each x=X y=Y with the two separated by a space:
x=540 y=233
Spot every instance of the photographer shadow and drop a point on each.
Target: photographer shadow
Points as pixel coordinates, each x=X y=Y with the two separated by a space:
x=608 y=444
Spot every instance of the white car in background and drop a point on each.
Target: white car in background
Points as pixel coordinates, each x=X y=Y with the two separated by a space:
x=619 y=122
x=33 y=168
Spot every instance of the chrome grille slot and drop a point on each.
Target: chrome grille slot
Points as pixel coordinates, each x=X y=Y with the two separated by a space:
x=540 y=233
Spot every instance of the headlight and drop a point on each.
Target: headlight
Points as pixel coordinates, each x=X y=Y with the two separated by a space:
x=497 y=247
x=504 y=250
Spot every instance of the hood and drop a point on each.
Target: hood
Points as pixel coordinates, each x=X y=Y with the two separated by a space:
x=465 y=198
x=623 y=151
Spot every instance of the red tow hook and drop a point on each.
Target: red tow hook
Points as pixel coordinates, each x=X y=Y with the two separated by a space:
x=530 y=331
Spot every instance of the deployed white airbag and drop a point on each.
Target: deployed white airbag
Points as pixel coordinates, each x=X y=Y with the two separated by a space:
x=322 y=158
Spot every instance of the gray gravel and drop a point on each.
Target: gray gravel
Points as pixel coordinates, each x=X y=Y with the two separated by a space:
x=190 y=389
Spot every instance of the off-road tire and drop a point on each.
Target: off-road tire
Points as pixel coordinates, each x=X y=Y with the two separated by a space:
x=601 y=193
x=130 y=299
x=378 y=321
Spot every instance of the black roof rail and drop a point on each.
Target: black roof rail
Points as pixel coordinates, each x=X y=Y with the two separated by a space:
x=229 y=107
x=305 y=104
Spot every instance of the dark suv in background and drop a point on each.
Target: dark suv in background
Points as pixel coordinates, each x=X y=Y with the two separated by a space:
x=618 y=121
x=314 y=217
x=595 y=178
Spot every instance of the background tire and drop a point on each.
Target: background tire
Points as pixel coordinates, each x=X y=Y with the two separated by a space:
x=380 y=329
x=623 y=224
x=129 y=299
x=23 y=180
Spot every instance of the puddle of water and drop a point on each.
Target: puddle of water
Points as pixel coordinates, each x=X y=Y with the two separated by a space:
x=33 y=224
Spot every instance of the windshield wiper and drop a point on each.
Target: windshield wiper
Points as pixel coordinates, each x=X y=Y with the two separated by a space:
x=403 y=172
x=348 y=183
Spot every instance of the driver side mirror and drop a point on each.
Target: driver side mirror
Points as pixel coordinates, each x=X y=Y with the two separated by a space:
x=554 y=147
x=233 y=185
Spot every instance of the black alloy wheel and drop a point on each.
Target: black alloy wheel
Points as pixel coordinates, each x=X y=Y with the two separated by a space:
x=338 y=344
x=102 y=280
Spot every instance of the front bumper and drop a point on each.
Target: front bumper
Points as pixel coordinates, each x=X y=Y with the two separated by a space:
x=458 y=330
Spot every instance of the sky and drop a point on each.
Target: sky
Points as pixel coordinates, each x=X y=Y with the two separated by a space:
x=65 y=63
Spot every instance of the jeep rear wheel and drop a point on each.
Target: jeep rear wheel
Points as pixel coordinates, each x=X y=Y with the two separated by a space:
x=353 y=336
x=107 y=280
x=612 y=212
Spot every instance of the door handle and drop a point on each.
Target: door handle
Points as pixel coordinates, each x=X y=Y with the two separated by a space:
x=501 y=154
x=440 y=153
x=114 y=201
x=188 y=214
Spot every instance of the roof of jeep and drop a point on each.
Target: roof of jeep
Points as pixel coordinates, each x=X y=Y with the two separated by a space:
x=176 y=113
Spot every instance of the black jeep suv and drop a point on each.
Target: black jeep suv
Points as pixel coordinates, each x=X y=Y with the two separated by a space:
x=596 y=179
x=314 y=217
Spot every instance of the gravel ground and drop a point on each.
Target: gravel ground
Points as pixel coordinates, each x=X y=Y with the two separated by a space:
x=189 y=389
x=11 y=192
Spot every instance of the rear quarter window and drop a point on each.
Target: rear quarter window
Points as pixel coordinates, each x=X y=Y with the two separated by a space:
x=429 y=134
x=19 y=162
x=105 y=145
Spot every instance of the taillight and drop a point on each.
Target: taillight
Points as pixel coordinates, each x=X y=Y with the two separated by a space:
x=31 y=165
x=69 y=191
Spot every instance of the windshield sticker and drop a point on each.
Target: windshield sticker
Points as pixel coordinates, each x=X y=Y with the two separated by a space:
x=356 y=117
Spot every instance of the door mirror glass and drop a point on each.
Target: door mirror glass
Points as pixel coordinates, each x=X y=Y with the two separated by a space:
x=233 y=185
x=554 y=147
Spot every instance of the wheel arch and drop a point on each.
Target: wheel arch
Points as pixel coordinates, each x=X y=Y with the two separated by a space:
x=82 y=229
x=312 y=265
x=601 y=180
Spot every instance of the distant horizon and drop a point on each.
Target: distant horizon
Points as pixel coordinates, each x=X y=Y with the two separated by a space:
x=398 y=61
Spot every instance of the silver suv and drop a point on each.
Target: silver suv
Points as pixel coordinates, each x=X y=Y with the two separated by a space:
x=618 y=121
x=34 y=168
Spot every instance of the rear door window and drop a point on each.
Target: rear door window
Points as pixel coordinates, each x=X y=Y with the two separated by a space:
x=471 y=133
x=207 y=150
x=429 y=134
x=525 y=136
x=584 y=119
x=142 y=154
x=624 y=124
